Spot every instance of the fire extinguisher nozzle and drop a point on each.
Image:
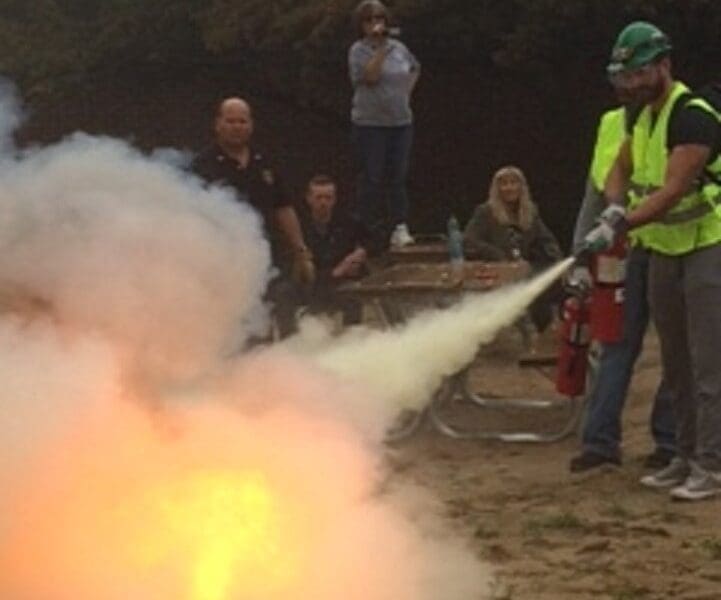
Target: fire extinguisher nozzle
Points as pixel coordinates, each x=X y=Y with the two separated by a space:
x=582 y=256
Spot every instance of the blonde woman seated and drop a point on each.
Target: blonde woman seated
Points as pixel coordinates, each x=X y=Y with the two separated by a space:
x=508 y=227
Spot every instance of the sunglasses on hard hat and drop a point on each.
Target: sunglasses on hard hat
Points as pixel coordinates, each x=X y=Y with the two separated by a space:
x=625 y=77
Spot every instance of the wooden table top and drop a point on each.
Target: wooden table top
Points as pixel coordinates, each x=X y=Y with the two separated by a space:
x=427 y=249
x=421 y=252
x=407 y=277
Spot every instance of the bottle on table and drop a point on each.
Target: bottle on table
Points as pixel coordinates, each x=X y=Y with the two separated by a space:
x=455 y=244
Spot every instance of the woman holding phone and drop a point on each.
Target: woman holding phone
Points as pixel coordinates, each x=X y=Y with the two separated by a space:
x=383 y=73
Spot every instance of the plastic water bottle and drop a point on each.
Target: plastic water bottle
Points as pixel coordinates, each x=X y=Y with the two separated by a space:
x=455 y=243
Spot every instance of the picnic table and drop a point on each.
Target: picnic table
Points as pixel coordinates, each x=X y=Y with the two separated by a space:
x=398 y=290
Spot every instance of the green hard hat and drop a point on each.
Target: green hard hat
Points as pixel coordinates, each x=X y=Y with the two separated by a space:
x=638 y=44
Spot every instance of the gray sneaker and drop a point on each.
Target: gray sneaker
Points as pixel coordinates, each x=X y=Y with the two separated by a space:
x=699 y=484
x=677 y=471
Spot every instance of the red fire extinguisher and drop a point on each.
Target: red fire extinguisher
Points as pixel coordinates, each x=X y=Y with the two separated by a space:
x=573 y=353
x=607 y=294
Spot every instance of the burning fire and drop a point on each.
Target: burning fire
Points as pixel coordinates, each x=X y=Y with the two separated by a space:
x=141 y=457
x=231 y=526
x=197 y=511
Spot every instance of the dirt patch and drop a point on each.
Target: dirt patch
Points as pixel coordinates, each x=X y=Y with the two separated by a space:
x=554 y=536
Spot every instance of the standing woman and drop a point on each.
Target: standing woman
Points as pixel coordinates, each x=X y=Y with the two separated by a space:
x=383 y=73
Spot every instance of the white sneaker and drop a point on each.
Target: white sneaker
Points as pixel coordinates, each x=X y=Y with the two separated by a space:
x=401 y=236
x=677 y=471
x=699 y=484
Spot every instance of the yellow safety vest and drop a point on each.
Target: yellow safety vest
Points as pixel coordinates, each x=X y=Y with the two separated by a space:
x=611 y=133
x=695 y=221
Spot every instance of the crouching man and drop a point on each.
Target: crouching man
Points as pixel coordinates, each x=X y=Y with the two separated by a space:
x=337 y=243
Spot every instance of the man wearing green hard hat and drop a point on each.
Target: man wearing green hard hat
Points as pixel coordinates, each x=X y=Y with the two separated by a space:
x=664 y=189
x=637 y=48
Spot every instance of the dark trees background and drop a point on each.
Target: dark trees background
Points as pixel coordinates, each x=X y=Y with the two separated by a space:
x=511 y=81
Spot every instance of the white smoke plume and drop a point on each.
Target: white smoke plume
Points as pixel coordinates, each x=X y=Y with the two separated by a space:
x=402 y=368
x=142 y=456
x=252 y=491
x=11 y=115
x=110 y=242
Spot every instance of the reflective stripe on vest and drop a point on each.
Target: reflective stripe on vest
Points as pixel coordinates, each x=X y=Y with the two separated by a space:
x=693 y=223
x=712 y=203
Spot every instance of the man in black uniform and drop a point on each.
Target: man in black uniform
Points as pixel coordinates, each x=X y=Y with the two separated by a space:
x=231 y=161
x=338 y=244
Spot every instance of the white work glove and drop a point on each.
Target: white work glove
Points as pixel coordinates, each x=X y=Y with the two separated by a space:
x=579 y=278
x=611 y=224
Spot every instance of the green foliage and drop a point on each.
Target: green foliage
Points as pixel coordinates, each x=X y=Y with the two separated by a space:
x=41 y=44
x=618 y=511
x=302 y=43
x=629 y=591
x=61 y=41
x=226 y=25
x=562 y=521
x=712 y=547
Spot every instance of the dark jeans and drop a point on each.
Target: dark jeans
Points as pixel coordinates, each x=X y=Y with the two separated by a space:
x=383 y=156
x=285 y=297
x=607 y=396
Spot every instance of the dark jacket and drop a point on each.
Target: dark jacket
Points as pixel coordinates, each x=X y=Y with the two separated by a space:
x=490 y=240
x=330 y=246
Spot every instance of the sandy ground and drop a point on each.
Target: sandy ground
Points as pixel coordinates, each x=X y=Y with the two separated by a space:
x=554 y=536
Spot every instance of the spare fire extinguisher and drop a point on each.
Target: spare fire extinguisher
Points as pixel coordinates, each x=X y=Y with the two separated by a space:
x=607 y=294
x=573 y=353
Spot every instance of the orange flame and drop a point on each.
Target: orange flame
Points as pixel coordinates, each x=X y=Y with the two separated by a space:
x=121 y=506
x=232 y=528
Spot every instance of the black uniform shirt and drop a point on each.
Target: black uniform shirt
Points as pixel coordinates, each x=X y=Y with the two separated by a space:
x=257 y=184
x=331 y=244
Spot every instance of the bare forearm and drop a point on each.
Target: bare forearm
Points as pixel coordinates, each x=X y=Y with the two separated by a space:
x=289 y=226
x=653 y=207
x=372 y=71
x=684 y=166
x=415 y=74
x=616 y=186
x=358 y=255
x=618 y=177
x=351 y=263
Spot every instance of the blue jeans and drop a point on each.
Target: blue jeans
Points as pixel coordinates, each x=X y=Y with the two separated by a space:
x=606 y=398
x=383 y=155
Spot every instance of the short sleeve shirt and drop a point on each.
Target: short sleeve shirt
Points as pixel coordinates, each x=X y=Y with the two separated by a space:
x=386 y=103
x=694 y=125
x=257 y=183
x=329 y=246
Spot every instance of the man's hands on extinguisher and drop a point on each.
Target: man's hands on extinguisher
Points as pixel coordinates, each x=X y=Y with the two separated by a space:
x=612 y=223
x=578 y=279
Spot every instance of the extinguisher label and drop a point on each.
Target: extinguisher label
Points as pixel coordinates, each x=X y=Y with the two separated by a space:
x=619 y=295
x=610 y=269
